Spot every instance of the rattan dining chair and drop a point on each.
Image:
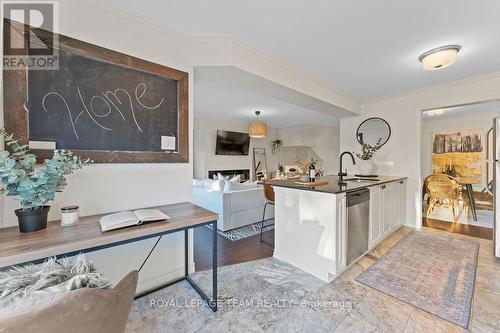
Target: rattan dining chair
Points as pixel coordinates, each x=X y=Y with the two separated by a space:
x=269 y=196
x=445 y=190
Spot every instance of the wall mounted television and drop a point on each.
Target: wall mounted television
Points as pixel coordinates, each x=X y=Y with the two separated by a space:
x=232 y=143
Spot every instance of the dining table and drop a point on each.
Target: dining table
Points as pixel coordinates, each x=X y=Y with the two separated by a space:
x=467 y=183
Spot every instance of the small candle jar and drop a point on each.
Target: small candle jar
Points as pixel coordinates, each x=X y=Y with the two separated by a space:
x=69 y=215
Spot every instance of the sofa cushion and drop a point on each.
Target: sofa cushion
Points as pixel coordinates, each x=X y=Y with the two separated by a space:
x=220 y=177
x=209 y=184
x=231 y=186
x=198 y=182
x=235 y=179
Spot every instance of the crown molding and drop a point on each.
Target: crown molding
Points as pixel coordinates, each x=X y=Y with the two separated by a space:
x=139 y=18
x=234 y=42
x=436 y=87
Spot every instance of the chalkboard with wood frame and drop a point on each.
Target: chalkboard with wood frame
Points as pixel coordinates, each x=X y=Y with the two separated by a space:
x=100 y=104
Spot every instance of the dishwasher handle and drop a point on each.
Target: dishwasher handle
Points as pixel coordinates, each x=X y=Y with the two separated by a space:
x=357 y=197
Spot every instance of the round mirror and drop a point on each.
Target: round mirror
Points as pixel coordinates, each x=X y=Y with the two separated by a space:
x=374 y=132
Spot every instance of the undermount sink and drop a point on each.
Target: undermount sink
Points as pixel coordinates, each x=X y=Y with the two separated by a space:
x=361 y=180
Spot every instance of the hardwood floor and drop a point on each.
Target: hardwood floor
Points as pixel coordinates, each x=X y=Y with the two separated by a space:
x=459 y=228
x=229 y=252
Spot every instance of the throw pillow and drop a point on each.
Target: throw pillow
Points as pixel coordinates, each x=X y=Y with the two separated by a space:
x=230 y=186
x=221 y=177
x=235 y=179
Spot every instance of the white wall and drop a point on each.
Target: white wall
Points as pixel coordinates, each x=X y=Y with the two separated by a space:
x=205 y=129
x=328 y=147
x=401 y=155
x=483 y=121
x=104 y=188
x=323 y=145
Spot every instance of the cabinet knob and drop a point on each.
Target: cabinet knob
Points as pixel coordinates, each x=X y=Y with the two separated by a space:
x=383 y=187
x=401 y=182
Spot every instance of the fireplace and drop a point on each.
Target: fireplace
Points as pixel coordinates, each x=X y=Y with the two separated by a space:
x=244 y=174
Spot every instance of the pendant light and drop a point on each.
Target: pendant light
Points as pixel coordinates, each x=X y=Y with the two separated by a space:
x=258 y=129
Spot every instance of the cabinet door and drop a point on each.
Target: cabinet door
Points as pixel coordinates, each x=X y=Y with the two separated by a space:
x=375 y=220
x=395 y=201
x=402 y=202
x=386 y=204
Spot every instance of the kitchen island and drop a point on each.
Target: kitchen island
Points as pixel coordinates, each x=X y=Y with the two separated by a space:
x=312 y=222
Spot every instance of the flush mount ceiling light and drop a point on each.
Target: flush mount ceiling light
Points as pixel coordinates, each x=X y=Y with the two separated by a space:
x=435 y=112
x=258 y=129
x=440 y=57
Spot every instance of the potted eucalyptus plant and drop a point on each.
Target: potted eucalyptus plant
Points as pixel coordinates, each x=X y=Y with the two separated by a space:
x=34 y=185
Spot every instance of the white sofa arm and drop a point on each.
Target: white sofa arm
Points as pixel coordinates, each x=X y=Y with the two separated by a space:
x=208 y=199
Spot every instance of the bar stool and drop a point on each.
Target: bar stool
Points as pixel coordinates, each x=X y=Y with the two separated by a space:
x=269 y=196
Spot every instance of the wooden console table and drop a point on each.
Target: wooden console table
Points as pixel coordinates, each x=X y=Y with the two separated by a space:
x=86 y=236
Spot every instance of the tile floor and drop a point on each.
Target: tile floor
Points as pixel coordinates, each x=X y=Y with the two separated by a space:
x=272 y=296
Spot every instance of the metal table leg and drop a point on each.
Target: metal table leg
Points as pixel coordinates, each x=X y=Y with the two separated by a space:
x=211 y=302
x=472 y=203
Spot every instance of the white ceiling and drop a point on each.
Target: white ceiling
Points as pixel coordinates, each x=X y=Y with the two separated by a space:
x=225 y=101
x=488 y=109
x=367 y=49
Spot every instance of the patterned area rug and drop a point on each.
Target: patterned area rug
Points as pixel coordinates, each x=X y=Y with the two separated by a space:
x=245 y=231
x=433 y=273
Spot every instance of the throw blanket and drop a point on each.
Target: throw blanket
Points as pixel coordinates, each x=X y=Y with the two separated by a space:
x=52 y=276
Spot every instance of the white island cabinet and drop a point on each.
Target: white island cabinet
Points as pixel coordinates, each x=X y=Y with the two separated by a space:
x=311 y=223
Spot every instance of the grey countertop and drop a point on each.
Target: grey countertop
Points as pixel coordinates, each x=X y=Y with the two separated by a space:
x=333 y=185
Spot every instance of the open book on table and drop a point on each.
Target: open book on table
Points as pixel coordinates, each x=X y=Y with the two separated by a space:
x=129 y=218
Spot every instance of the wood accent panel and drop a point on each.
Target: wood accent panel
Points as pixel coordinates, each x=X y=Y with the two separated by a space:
x=459 y=228
x=16 y=247
x=15 y=92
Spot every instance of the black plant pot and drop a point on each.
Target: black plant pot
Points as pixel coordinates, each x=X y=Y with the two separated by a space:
x=32 y=219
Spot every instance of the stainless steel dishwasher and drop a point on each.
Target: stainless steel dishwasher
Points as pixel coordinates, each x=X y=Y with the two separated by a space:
x=358 y=215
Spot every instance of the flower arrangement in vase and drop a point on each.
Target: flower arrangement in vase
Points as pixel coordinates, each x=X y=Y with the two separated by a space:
x=34 y=185
x=365 y=164
x=304 y=167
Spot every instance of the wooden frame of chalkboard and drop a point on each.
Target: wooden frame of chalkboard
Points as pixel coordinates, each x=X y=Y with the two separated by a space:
x=16 y=94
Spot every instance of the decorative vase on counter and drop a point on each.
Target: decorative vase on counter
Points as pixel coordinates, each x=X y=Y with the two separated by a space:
x=366 y=167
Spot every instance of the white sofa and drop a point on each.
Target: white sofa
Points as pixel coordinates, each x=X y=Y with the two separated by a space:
x=236 y=208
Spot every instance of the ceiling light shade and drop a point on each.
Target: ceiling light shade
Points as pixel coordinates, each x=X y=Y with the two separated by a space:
x=440 y=57
x=258 y=129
